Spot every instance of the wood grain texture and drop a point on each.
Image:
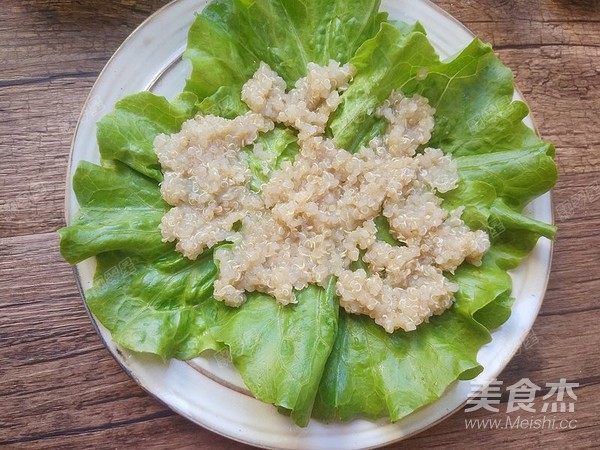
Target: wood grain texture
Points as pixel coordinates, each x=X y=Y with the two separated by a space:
x=60 y=388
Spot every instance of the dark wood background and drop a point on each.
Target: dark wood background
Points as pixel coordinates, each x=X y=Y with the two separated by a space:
x=59 y=387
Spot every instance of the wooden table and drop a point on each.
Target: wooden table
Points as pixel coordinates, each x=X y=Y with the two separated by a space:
x=60 y=388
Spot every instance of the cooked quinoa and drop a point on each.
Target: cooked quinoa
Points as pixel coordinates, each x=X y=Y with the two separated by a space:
x=316 y=216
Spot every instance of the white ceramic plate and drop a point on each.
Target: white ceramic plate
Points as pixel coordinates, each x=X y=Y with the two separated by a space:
x=208 y=390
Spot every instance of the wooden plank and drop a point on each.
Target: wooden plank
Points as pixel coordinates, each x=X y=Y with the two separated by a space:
x=62 y=38
x=36 y=129
x=51 y=53
x=56 y=373
x=562 y=85
x=533 y=32
x=536 y=10
x=571 y=287
x=154 y=431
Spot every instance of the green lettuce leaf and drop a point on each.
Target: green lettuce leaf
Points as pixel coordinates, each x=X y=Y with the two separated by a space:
x=509 y=219
x=218 y=55
x=277 y=146
x=281 y=351
x=518 y=176
x=127 y=134
x=225 y=102
x=384 y=63
x=495 y=313
x=231 y=37
x=120 y=209
x=479 y=286
x=476 y=197
x=473 y=98
x=161 y=305
x=511 y=247
x=373 y=374
x=288 y=35
x=149 y=297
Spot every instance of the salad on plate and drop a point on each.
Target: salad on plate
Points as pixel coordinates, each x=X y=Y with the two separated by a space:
x=326 y=200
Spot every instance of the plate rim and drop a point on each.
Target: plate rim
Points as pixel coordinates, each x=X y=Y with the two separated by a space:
x=115 y=355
